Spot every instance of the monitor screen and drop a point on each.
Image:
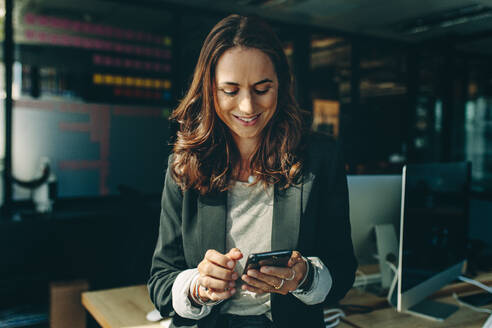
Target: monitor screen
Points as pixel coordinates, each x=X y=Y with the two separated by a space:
x=435 y=220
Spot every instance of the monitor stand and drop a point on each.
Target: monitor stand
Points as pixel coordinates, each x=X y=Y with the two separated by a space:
x=427 y=309
x=433 y=310
x=387 y=246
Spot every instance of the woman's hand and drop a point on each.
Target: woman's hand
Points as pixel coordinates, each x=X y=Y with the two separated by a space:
x=279 y=280
x=217 y=277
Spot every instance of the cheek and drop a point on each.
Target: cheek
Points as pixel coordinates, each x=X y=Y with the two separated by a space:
x=222 y=106
x=268 y=102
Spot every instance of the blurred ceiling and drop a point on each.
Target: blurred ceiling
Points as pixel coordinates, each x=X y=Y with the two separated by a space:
x=466 y=24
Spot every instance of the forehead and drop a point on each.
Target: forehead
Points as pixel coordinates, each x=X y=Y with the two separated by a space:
x=244 y=65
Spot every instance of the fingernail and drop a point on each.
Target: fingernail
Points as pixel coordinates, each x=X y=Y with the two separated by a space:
x=234 y=276
x=233 y=291
x=230 y=264
x=231 y=284
x=265 y=269
x=252 y=273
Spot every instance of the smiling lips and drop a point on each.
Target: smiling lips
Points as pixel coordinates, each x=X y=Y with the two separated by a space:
x=247 y=121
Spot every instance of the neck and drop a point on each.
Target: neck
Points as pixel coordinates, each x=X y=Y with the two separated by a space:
x=246 y=148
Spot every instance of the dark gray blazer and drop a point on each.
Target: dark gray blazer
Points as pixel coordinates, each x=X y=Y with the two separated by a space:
x=312 y=217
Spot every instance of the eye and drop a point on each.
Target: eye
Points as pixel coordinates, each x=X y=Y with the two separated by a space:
x=229 y=92
x=261 y=92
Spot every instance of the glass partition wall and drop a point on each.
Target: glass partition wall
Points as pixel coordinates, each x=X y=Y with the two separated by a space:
x=94 y=84
x=478 y=124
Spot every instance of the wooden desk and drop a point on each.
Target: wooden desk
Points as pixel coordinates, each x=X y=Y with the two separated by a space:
x=384 y=316
x=120 y=307
x=389 y=317
x=126 y=307
x=359 y=297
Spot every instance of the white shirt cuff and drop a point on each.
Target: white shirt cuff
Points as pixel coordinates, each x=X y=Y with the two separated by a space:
x=181 y=303
x=321 y=285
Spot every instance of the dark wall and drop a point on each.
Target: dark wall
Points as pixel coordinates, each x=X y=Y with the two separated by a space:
x=108 y=243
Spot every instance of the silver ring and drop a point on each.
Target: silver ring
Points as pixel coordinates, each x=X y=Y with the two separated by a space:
x=281 y=284
x=292 y=277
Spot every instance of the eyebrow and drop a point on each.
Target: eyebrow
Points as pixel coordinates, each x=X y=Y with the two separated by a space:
x=255 y=84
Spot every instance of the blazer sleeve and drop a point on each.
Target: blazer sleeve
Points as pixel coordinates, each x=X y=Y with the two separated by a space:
x=334 y=233
x=168 y=259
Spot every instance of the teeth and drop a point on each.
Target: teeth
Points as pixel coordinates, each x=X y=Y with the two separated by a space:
x=248 y=119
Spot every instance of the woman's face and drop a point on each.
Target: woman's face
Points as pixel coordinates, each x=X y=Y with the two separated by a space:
x=246 y=88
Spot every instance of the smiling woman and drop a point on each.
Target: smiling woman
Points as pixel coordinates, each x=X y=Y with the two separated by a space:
x=242 y=71
x=246 y=97
x=239 y=122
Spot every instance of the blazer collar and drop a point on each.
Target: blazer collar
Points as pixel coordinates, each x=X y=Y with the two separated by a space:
x=286 y=217
x=288 y=207
x=211 y=215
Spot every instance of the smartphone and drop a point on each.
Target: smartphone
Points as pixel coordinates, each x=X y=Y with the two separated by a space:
x=275 y=258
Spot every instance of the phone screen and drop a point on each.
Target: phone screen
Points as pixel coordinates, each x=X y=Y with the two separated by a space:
x=275 y=258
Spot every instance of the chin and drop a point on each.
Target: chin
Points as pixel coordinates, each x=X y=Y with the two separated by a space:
x=248 y=135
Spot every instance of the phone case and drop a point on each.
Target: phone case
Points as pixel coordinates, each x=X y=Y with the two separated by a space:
x=275 y=258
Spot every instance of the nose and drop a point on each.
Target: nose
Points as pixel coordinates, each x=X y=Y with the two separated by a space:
x=246 y=104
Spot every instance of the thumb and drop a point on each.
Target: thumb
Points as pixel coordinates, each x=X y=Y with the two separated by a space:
x=294 y=259
x=235 y=254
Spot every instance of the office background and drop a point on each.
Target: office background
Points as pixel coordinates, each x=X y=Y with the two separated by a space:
x=93 y=83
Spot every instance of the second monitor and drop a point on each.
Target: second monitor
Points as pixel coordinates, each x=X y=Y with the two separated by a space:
x=373 y=200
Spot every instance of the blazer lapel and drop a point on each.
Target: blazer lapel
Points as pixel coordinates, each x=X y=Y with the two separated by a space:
x=286 y=218
x=212 y=221
x=287 y=214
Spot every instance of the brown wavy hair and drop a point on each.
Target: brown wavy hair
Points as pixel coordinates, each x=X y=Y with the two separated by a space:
x=205 y=153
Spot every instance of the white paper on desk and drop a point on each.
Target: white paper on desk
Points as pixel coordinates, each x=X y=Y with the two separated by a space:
x=166 y=323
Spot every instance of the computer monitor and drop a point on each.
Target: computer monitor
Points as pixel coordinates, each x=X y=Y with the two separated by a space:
x=433 y=234
x=373 y=200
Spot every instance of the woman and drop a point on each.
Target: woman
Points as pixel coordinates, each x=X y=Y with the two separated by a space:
x=246 y=176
